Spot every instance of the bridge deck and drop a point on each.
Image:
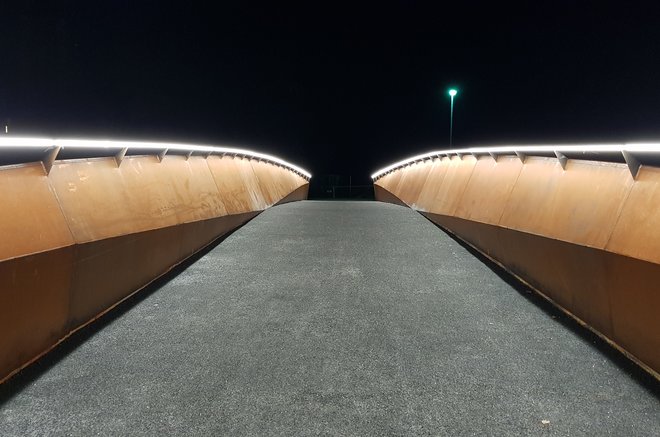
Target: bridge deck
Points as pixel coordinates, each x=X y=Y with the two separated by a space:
x=340 y=318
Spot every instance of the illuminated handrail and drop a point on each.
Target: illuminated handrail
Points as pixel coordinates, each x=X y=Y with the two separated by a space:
x=56 y=144
x=628 y=152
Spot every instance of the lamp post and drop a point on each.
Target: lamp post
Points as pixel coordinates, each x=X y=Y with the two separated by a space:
x=452 y=93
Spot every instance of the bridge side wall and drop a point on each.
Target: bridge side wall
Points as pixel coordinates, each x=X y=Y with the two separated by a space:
x=79 y=240
x=585 y=236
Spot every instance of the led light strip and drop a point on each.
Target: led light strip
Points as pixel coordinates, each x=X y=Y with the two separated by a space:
x=527 y=150
x=109 y=144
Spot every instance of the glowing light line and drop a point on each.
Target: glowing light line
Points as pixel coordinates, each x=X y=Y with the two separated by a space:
x=577 y=148
x=41 y=143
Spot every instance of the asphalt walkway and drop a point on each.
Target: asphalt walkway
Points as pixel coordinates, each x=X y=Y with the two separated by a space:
x=333 y=318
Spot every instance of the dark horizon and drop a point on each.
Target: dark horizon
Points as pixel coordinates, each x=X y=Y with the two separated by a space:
x=336 y=91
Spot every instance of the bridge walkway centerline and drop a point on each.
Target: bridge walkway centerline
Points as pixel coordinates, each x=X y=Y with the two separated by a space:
x=333 y=318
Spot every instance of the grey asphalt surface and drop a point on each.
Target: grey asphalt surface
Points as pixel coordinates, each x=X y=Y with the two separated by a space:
x=334 y=318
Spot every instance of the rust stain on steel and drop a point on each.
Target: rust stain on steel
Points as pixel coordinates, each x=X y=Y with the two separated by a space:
x=142 y=194
x=586 y=236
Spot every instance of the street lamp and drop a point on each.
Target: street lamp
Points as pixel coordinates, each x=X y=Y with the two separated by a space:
x=452 y=93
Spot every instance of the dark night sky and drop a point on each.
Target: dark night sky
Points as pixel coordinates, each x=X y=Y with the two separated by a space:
x=336 y=90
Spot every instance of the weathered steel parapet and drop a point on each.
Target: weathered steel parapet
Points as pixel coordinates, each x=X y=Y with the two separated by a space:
x=85 y=224
x=580 y=227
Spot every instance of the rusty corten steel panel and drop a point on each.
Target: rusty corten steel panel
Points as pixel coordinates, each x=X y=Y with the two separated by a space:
x=382 y=195
x=237 y=184
x=634 y=306
x=266 y=175
x=286 y=182
x=195 y=189
x=411 y=188
x=453 y=184
x=101 y=200
x=580 y=204
x=557 y=268
x=35 y=266
x=403 y=186
x=401 y=182
x=384 y=181
x=299 y=193
x=283 y=185
x=299 y=181
x=34 y=305
x=637 y=232
x=489 y=189
x=432 y=184
x=30 y=219
x=200 y=234
x=106 y=272
x=392 y=181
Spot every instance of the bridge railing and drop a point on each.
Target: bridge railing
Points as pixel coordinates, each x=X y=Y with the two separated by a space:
x=15 y=150
x=633 y=154
x=579 y=224
x=85 y=224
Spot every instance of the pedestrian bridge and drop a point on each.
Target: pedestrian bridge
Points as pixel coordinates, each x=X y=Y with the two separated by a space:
x=124 y=311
